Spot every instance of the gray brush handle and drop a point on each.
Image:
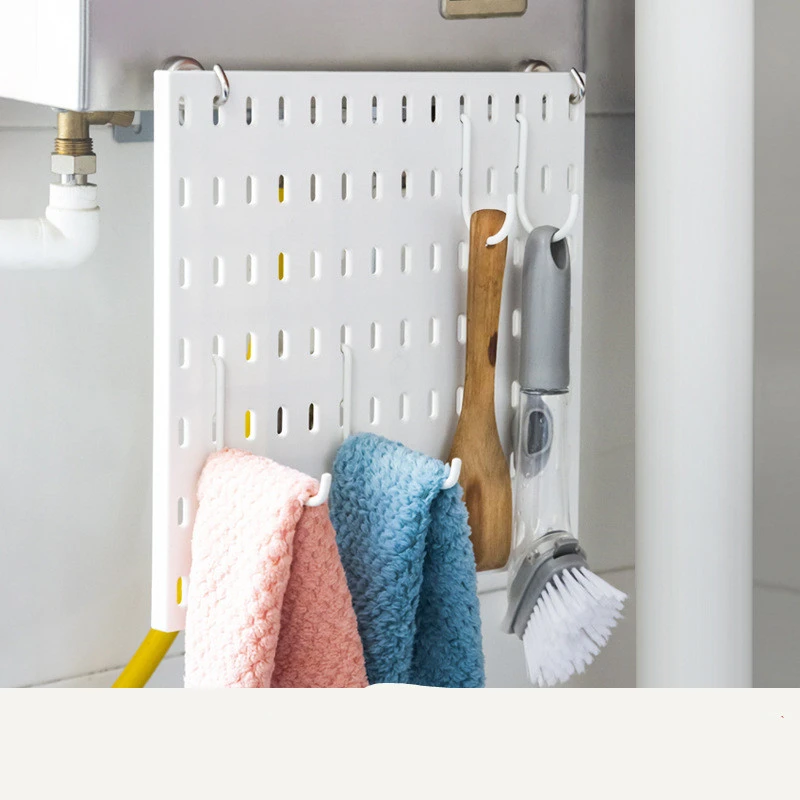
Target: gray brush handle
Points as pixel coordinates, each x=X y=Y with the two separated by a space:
x=546 y=277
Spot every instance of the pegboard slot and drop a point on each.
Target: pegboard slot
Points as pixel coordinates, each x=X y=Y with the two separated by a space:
x=436 y=257
x=251 y=269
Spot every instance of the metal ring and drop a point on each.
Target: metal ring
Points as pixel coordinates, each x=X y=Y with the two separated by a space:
x=533 y=65
x=224 y=86
x=577 y=98
x=181 y=63
x=188 y=63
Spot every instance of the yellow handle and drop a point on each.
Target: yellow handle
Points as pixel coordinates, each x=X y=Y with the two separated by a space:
x=145 y=660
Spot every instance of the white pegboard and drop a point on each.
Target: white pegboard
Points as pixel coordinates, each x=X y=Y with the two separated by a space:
x=314 y=206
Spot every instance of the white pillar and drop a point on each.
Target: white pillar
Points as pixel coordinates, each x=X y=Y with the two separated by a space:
x=694 y=342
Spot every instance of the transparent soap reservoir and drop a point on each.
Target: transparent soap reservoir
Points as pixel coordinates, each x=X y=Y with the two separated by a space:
x=541 y=501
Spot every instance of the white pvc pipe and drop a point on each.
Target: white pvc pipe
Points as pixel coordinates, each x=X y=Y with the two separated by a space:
x=64 y=237
x=694 y=342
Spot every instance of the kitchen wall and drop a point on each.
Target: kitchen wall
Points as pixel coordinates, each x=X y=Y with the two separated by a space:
x=76 y=423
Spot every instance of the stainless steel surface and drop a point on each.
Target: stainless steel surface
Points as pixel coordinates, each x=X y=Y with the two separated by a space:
x=181 y=62
x=129 y=39
x=463 y=9
x=609 y=56
x=71 y=180
x=534 y=65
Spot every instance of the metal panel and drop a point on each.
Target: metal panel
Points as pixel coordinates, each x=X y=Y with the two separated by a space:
x=101 y=54
x=131 y=38
x=610 y=54
x=316 y=207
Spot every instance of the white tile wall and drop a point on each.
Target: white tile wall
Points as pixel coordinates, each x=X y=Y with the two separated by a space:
x=169 y=675
x=75 y=431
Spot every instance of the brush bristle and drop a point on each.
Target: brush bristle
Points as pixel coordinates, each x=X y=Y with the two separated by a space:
x=571 y=622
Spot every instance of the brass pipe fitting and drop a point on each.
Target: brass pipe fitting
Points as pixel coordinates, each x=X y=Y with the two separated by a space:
x=73 y=129
x=73 y=135
x=73 y=158
x=123 y=118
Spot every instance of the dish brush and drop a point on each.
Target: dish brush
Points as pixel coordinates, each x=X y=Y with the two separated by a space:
x=562 y=611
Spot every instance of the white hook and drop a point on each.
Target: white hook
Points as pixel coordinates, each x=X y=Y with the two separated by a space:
x=522 y=174
x=455 y=474
x=508 y=225
x=466 y=161
x=466 y=184
x=347 y=421
x=574 y=208
x=219 y=402
x=322 y=495
x=347 y=390
x=522 y=183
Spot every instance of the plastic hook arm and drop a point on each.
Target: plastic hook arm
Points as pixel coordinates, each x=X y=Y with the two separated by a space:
x=347 y=422
x=347 y=395
x=466 y=159
x=522 y=174
x=219 y=402
x=347 y=390
x=455 y=473
x=508 y=225
x=322 y=495
x=566 y=228
x=466 y=184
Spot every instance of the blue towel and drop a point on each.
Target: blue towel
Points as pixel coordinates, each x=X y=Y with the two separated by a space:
x=405 y=548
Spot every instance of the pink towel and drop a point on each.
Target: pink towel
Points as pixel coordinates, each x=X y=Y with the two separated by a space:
x=267 y=603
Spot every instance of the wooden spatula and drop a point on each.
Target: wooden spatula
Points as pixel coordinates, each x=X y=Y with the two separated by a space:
x=484 y=472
